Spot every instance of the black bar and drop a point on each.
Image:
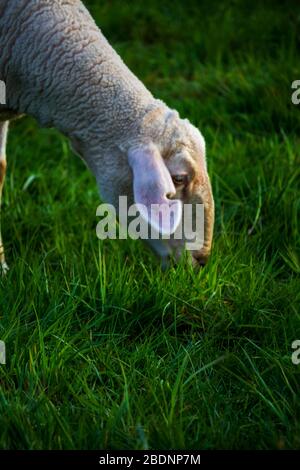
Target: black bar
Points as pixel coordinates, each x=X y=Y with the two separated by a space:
x=137 y=459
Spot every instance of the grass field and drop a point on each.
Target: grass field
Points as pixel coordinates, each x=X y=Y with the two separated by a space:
x=103 y=349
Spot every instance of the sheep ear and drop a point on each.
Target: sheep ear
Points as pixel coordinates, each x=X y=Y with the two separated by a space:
x=152 y=187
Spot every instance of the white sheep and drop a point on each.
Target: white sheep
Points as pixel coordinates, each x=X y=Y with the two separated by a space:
x=59 y=68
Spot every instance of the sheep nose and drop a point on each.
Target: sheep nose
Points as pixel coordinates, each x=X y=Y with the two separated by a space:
x=170 y=194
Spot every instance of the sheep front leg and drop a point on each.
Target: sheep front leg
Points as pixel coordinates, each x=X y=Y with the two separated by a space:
x=3 y=139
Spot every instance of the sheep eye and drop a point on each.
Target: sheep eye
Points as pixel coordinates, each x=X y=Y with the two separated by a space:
x=180 y=180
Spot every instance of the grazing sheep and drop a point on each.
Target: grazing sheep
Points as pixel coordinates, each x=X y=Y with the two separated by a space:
x=59 y=68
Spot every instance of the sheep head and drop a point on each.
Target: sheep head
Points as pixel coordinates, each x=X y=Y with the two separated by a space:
x=182 y=150
x=161 y=162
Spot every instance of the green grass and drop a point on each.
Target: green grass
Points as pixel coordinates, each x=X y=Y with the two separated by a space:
x=103 y=349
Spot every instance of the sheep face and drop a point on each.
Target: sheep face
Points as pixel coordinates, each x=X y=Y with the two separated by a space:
x=187 y=166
